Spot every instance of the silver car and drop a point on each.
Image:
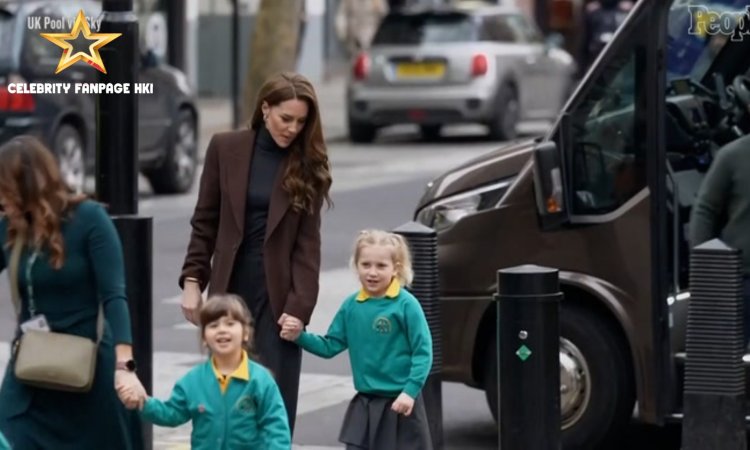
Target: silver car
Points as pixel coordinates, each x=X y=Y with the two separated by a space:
x=487 y=65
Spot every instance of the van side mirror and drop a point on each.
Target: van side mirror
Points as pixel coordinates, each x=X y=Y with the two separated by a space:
x=554 y=40
x=548 y=186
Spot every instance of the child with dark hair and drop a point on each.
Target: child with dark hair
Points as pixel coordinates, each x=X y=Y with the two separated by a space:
x=232 y=401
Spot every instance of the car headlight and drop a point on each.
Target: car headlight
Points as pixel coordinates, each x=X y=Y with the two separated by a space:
x=444 y=213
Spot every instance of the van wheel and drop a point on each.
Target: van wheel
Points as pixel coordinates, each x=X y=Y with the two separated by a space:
x=177 y=173
x=597 y=393
x=503 y=124
x=67 y=146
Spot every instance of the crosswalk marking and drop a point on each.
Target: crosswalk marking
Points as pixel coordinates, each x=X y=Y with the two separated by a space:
x=316 y=392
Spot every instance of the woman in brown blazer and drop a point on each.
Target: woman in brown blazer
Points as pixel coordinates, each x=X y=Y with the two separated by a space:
x=256 y=224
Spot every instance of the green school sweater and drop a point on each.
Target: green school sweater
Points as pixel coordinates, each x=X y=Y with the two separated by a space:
x=250 y=415
x=722 y=207
x=389 y=342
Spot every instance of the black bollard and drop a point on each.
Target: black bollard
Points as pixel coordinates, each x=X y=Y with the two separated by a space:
x=117 y=186
x=529 y=360
x=714 y=394
x=422 y=242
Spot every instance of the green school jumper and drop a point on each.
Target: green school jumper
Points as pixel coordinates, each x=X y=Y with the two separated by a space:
x=249 y=415
x=389 y=342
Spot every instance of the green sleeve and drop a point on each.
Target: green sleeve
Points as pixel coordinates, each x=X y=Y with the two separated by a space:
x=710 y=203
x=172 y=413
x=273 y=421
x=333 y=343
x=105 y=254
x=4 y=445
x=420 y=341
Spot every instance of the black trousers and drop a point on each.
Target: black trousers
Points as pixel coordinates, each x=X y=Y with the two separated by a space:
x=282 y=358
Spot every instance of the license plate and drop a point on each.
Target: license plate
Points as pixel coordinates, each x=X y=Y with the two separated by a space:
x=420 y=70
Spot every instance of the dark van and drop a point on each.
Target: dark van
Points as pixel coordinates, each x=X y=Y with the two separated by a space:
x=167 y=119
x=605 y=197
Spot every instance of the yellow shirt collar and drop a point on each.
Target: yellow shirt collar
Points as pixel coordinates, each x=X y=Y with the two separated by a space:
x=241 y=372
x=392 y=292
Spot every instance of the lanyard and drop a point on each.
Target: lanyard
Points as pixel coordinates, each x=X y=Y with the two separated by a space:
x=29 y=284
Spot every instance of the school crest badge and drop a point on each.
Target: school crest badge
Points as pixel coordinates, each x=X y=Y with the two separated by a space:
x=381 y=325
x=245 y=404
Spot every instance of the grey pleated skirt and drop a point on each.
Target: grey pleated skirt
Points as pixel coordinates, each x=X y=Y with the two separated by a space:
x=370 y=424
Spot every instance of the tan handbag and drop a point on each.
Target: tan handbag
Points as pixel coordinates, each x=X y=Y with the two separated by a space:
x=46 y=359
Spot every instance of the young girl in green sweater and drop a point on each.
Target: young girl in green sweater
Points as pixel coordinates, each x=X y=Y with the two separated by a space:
x=390 y=348
x=233 y=402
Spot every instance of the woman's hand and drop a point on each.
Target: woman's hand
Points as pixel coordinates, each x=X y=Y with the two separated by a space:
x=291 y=327
x=129 y=389
x=403 y=404
x=191 y=301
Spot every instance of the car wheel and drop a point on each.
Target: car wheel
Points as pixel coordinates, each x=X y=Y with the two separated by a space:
x=361 y=132
x=503 y=124
x=597 y=392
x=430 y=132
x=177 y=173
x=69 y=150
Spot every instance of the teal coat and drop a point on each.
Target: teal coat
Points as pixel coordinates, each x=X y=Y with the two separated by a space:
x=250 y=415
x=3 y=443
x=92 y=274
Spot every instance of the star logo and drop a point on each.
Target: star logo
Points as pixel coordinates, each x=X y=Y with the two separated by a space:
x=71 y=55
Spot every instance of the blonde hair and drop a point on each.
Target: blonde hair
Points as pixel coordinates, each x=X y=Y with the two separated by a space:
x=221 y=305
x=400 y=251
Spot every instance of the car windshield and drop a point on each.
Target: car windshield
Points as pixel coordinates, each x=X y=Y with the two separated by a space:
x=697 y=33
x=6 y=37
x=425 y=28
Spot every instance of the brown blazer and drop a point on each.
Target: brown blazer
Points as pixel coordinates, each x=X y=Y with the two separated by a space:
x=292 y=244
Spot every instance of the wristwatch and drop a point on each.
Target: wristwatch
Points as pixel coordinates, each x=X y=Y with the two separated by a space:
x=128 y=365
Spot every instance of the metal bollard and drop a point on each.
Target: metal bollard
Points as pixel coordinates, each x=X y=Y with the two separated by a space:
x=714 y=394
x=528 y=355
x=117 y=186
x=422 y=242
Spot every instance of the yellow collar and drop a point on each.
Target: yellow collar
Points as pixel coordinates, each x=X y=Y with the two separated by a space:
x=241 y=372
x=392 y=292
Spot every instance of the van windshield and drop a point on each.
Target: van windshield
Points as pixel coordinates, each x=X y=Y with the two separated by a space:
x=425 y=28
x=697 y=33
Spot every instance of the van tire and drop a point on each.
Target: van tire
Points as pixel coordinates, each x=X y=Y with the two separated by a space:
x=612 y=393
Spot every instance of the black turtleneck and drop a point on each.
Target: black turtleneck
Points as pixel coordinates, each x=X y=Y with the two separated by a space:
x=264 y=165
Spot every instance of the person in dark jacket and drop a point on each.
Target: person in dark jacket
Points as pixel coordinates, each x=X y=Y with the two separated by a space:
x=256 y=225
x=722 y=208
x=71 y=263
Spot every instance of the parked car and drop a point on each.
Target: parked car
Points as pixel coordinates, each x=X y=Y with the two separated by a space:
x=167 y=119
x=484 y=64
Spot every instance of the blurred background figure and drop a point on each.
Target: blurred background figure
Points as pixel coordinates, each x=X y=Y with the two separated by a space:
x=601 y=20
x=357 y=21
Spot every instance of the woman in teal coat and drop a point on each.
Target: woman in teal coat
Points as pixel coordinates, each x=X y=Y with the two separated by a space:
x=71 y=264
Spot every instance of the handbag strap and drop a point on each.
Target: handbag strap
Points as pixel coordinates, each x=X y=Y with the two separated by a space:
x=15 y=258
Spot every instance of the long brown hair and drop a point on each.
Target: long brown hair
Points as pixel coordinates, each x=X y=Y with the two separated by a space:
x=308 y=175
x=34 y=195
